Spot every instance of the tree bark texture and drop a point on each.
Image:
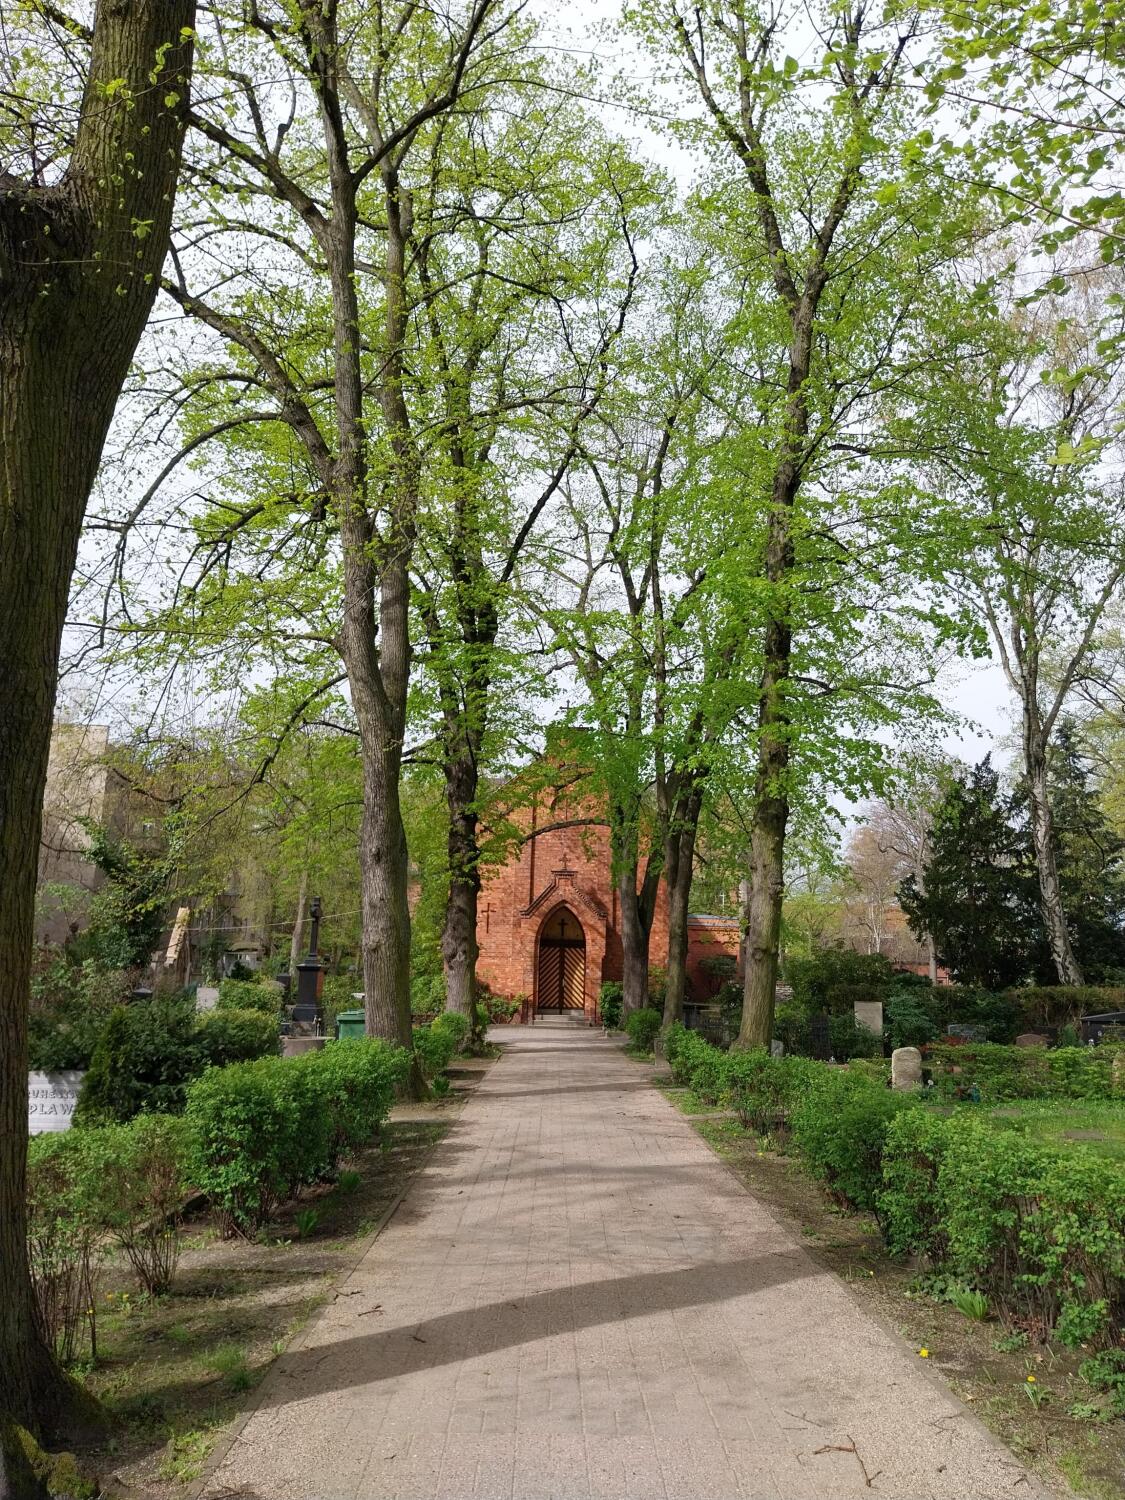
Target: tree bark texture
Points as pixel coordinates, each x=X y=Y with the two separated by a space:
x=295 y=942
x=76 y=288
x=679 y=868
x=459 y=931
x=1043 y=838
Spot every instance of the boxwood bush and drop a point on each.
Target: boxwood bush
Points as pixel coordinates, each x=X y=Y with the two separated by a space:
x=1041 y=1231
x=228 y=1036
x=436 y=1043
x=261 y=1130
x=642 y=1027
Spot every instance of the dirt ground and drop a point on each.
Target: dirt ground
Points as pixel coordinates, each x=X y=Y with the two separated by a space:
x=987 y=1364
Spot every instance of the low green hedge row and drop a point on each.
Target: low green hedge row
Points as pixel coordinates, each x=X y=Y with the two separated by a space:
x=436 y=1044
x=1001 y=1073
x=149 y=1052
x=1042 y=1231
x=261 y=1130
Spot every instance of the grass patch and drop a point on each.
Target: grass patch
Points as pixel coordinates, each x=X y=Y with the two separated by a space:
x=1099 y=1127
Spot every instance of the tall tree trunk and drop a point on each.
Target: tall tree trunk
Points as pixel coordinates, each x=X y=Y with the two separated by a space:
x=767 y=848
x=634 y=943
x=1043 y=839
x=932 y=955
x=679 y=868
x=459 y=932
x=76 y=288
x=298 y=926
x=636 y=900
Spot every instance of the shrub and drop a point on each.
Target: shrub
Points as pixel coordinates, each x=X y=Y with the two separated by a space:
x=910 y=1208
x=436 y=1043
x=356 y=1082
x=339 y=994
x=642 y=1027
x=65 y=1177
x=142 y=1063
x=839 y=1126
x=427 y=994
x=754 y=1086
x=144 y=1193
x=1058 y=1005
x=250 y=994
x=609 y=1004
x=454 y=1024
x=867 y=976
x=70 y=1006
x=908 y=1022
x=228 y=1036
x=256 y=1135
x=1042 y=1231
x=791 y=1027
x=676 y=1038
x=1045 y=1231
x=849 y=1039
x=260 y=1130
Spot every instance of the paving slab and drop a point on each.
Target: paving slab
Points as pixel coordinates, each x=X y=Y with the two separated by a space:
x=576 y=1299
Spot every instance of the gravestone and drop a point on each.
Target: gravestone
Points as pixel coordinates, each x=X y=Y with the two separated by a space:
x=1094 y=1027
x=777 y=1049
x=206 y=996
x=906 y=1068
x=1032 y=1039
x=820 y=1038
x=869 y=1013
x=297 y=1046
x=51 y=1098
x=966 y=1032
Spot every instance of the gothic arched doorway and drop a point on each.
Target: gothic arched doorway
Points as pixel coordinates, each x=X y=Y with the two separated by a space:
x=561 y=978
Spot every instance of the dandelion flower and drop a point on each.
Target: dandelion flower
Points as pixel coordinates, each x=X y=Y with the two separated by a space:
x=924 y=1353
x=1031 y=1380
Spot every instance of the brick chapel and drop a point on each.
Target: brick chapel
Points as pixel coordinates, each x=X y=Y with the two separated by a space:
x=547 y=925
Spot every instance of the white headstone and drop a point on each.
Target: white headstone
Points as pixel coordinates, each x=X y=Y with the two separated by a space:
x=206 y=996
x=906 y=1068
x=51 y=1098
x=869 y=1013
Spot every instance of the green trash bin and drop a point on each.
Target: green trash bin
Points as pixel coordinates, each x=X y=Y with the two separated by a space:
x=351 y=1023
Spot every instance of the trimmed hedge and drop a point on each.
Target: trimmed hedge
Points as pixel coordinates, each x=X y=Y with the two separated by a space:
x=261 y=1130
x=229 y=1036
x=1002 y=1073
x=1041 y=1231
x=250 y=994
x=642 y=1027
x=436 y=1044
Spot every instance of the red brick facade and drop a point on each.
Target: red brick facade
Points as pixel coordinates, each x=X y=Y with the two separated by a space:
x=565 y=872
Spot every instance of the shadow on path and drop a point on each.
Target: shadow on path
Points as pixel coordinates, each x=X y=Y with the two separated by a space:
x=451 y=1337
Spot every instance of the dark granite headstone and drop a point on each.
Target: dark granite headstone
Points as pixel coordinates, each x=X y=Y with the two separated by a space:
x=820 y=1038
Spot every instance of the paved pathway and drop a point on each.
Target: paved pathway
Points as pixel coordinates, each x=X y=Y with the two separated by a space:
x=577 y=1299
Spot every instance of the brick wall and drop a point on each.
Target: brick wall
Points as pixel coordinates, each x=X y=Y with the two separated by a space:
x=564 y=861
